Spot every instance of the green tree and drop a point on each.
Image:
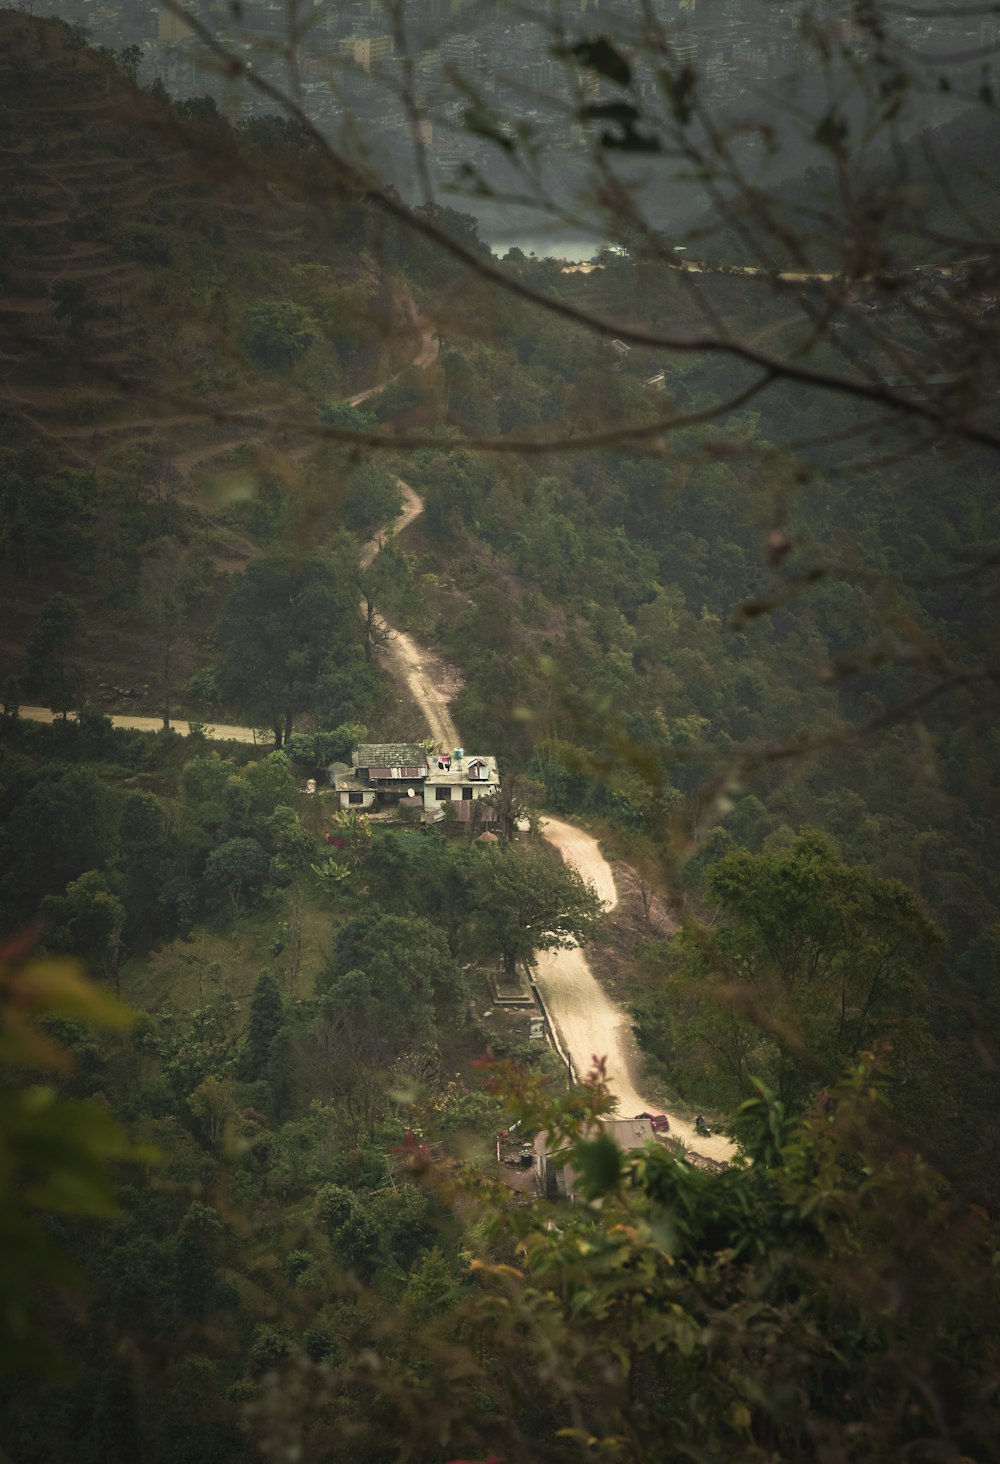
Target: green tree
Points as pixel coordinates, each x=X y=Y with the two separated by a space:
x=143 y=840
x=812 y=958
x=353 y=1238
x=266 y=1017
x=199 y=1250
x=213 y=1107
x=131 y=58
x=373 y=573
x=409 y=974
x=526 y=902
x=515 y=800
x=237 y=869
x=428 y=877
x=278 y=332
x=116 y=1415
x=269 y=784
x=390 y=986
x=55 y=827
x=56 y=639
x=295 y=846
x=372 y=502
x=170 y=583
x=87 y=921
x=283 y=623
x=432 y=1287
x=353 y=419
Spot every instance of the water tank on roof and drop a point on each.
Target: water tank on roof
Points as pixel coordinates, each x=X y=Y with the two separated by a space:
x=459 y=753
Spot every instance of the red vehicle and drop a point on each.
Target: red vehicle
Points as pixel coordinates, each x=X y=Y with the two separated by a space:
x=658 y=1122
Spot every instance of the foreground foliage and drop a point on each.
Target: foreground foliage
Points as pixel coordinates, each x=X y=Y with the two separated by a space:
x=829 y=1298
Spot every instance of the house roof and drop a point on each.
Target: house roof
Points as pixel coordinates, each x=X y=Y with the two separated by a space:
x=389 y=755
x=458 y=774
x=628 y=1133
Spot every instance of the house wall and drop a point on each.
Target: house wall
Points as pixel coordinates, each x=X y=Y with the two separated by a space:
x=463 y=806
x=367 y=797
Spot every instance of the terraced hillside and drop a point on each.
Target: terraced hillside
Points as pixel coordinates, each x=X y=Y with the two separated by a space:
x=172 y=320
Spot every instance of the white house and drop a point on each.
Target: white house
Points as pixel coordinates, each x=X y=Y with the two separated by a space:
x=458 y=782
x=388 y=775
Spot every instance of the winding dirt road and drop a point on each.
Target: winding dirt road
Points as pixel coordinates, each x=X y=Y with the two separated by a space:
x=413 y=505
x=409 y=662
x=589 y=1024
x=426 y=356
x=402 y=652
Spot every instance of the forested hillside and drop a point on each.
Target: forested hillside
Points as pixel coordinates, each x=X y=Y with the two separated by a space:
x=253 y=1197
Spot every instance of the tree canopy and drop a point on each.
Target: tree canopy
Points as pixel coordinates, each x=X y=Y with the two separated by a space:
x=281 y=628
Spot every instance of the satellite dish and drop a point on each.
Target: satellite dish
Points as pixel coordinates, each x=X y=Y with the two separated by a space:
x=410 y=793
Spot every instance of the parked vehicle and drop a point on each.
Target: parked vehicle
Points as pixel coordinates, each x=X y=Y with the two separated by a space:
x=658 y=1122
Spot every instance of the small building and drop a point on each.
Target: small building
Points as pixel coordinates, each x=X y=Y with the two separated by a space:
x=385 y=776
x=457 y=783
x=556 y=1177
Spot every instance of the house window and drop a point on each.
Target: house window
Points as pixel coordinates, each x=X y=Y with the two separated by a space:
x=443 y=795
x=355 y=798
x=466 y=794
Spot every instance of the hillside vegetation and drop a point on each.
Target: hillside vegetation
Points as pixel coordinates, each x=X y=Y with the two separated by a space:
x=753 y=654
x=168 y=313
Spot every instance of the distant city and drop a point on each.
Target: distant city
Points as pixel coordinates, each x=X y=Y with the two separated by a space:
x=435 y=75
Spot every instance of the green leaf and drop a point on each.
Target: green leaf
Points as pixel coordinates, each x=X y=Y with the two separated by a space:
x=599 y=1163
x=59 y=987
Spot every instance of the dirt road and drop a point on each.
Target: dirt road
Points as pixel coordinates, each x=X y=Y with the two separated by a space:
x=404 y=655
x=590 y=1025
x=412 y=506
x=221 y=732
x=426 y=356
x=409 y=660
x=588 y=1022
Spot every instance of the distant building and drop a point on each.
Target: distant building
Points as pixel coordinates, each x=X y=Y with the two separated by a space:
x=366 y=51
x=172 y=28
x=385 y=776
